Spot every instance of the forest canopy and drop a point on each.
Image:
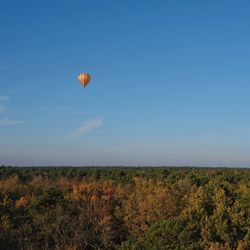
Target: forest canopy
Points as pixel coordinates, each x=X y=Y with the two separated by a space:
x=124 y=208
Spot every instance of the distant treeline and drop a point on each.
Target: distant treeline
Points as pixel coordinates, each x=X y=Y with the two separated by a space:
x=124 y=208
x=198 y=175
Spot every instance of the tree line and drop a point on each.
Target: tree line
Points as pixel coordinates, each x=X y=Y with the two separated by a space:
x=124 y=208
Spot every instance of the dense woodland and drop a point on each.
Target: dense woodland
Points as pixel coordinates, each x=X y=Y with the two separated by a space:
x=124 y=208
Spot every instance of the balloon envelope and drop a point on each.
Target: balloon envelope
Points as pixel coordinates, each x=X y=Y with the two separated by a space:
x=84 y=79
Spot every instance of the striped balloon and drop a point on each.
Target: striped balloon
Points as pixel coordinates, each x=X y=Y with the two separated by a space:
x=84 y=79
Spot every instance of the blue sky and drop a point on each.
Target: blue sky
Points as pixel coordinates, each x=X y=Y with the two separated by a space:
x=170 y=82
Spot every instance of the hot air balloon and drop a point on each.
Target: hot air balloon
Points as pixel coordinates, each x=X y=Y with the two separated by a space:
x=84 y=79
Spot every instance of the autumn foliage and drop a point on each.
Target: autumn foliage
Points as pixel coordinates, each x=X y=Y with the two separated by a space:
x=124 y=208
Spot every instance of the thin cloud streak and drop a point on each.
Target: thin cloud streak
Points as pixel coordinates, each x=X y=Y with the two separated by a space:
x=245 y=130
x=7 y=122
x=2 y=109
x=4 y=98
x=86 y=128
x=78 y=113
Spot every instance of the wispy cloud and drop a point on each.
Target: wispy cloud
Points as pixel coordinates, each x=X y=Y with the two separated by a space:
x=2 y=109
x=86 y=127
x=78 y=113
x=7 y=122
x=245 y=130
x=4 y=98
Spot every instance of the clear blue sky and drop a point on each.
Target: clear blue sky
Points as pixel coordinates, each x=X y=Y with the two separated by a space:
x=170 y=82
